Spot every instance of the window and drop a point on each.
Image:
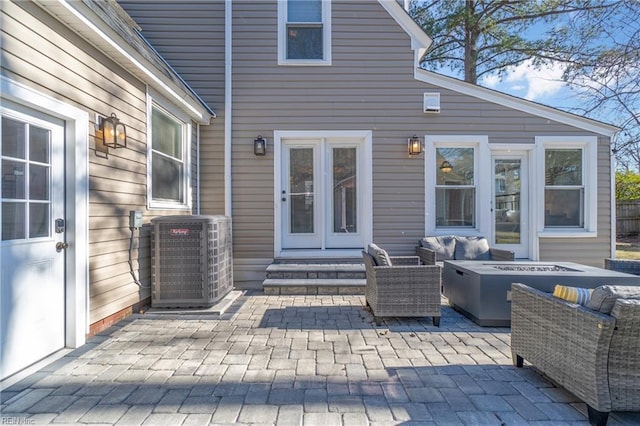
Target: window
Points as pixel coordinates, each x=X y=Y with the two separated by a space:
x=169 y=161
x=457 y=184
x=563 y=188
x=304 y=36
x=455 y=188
x=568 y=189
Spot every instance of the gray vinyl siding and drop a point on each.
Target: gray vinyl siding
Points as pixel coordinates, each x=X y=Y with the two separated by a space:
x=369 y=86
x=41 y=53
x=190 y=36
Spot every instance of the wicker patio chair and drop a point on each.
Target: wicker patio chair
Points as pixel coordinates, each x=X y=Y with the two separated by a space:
x=628 y=266
x=592 y=354
x=404 y=289
x=450 y=247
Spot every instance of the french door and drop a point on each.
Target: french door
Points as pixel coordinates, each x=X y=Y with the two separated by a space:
x=510 y=204
x=321 y=193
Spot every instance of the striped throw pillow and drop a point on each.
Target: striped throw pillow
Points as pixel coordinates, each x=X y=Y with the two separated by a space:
x=572 y=294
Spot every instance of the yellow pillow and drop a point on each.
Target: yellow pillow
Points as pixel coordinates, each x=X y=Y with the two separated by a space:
x=572 y=294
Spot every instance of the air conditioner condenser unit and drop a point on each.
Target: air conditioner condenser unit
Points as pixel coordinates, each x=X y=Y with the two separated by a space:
x=191 y=260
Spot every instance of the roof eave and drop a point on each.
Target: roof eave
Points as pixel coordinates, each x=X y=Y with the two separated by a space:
x=83 y=20
x=516 y=103
x=420 y=41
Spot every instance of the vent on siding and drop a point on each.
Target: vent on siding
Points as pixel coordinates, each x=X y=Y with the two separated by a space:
x=431 y=102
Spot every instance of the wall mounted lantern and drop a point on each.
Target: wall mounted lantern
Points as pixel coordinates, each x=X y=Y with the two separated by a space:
x=114 y=133
x=260 y=146
x=415 y=145
x=446 y=167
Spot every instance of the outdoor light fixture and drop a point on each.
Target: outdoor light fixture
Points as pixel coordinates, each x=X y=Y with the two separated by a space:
x=114 y=133
x=446 y=167
x=415 y=145
x=260 y=146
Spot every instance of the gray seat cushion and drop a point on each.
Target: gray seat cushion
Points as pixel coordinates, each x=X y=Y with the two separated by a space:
x=604 y=297
x=472 y=248
x=380 y=256
x=444 y=246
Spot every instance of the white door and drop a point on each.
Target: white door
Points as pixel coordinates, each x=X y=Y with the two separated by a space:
x=321 y=194
x=510 y=203
x=32 y=319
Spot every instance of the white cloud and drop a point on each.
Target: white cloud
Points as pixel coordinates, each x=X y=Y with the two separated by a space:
x=526 y=81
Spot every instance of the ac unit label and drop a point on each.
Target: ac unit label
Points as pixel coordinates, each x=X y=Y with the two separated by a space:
x=178 y=231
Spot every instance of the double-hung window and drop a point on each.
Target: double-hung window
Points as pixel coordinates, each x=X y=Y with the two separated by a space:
x=169 y=166
x=569 y=190
x=455 y=187
x=456 y=184
x=304 y=34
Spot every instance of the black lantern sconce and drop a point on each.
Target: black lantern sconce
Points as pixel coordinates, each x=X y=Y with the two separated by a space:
x=114 y=133
x=446 y=167
x=260 y=146
x=415 y=145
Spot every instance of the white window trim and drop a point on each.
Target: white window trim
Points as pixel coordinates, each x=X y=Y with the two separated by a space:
x=482 y=156
x=326 y=37
x=156 y=101
x=589 y=145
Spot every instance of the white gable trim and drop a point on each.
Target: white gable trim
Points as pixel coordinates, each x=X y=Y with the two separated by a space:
x=420 y=41
x=515 y=103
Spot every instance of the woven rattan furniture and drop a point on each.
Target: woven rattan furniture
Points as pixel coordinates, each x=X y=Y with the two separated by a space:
x=628 y=266
x=591 y=354
x=430 y=257
x=405 y=289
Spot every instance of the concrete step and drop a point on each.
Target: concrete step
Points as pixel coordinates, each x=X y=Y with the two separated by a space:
x=316 y=271
x=293 y=286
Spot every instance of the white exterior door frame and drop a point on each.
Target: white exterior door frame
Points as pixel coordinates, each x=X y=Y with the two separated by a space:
x=525 y=154
x=76 y=125
x=365 y=203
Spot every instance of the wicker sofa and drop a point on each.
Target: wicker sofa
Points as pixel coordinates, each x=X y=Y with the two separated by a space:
x=402 y=289
x=592 y=354
x=433 y=250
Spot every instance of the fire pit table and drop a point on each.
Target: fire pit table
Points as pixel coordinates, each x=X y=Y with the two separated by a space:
x=482 y=290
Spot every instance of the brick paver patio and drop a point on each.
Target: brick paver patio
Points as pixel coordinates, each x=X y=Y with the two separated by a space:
x=312 y=360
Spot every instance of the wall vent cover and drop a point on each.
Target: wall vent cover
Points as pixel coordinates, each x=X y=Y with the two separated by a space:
x=431 y=102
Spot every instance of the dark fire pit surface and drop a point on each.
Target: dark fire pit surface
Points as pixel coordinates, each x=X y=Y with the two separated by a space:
x=533 y=268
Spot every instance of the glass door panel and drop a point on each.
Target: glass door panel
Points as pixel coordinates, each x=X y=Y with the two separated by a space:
x=510 y=204
x=345 y=190
x=301 y=191
x=507 y=201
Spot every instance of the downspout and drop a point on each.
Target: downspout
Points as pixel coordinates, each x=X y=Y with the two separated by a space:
x=614 y=230
x=199 y=193
x=228 y=81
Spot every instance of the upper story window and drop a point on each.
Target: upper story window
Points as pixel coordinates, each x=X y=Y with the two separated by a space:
x=569 y=194
x=169 y=160
x=304 y=33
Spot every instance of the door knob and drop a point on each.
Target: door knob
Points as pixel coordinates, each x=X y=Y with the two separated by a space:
x=61 y=246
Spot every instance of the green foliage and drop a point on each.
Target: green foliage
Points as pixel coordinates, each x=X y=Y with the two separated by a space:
x=627 y=186
x=483 y=37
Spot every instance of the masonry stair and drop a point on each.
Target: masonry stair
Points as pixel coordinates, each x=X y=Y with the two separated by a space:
x=313 y=276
